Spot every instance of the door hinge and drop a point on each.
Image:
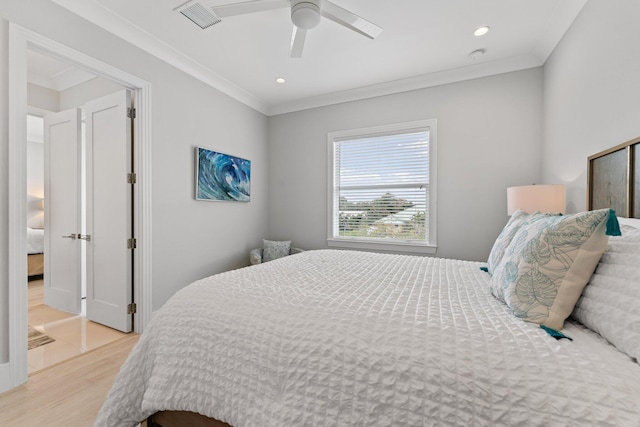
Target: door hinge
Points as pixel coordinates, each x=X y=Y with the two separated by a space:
x=132 y=308
x=131 y=113
x=131 y=178
x=131 y=243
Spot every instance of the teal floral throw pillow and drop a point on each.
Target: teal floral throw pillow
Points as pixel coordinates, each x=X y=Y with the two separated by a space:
x=504 y=238
x=272 y=249
x=549 y=262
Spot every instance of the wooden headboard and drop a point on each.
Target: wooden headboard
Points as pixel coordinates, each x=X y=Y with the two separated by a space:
x=613 y=179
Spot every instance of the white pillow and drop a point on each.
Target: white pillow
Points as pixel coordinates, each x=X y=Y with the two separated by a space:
x=548 y=263
x=631 y=224
x=610 y=303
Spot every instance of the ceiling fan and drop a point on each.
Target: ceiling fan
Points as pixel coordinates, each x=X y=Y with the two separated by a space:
x=305 y=15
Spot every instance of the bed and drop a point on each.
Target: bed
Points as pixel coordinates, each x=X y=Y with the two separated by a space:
x=344 y=338
x=35 y=252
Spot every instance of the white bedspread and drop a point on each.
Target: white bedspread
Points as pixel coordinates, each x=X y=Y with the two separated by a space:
x=35 y=240
x=341 y=338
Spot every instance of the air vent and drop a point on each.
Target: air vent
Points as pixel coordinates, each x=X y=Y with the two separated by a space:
x=200 y=15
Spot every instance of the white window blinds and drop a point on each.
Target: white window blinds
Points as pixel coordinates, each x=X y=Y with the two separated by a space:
x=381 y=186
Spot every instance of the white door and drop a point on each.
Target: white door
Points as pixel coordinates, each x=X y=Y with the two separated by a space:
x=109 y=210
x=62 y=278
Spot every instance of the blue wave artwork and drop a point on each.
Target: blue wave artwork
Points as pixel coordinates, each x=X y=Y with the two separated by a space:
x=222 y=177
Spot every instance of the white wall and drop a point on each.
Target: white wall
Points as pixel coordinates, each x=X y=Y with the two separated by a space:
x=489 y=138
x=43 y=98
x=591 y=93
x=35 y=171
x=190 y=239
x=35 y=184
x=4 y=191
x=79 y=95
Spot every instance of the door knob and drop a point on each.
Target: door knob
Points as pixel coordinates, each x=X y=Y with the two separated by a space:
x=72 y=236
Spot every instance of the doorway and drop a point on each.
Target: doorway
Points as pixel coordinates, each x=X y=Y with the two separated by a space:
x=86 y=153
x=53 y=335
x=88 y=211
x=20 y=41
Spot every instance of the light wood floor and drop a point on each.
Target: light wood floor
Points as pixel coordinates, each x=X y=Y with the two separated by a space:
x=69 y=394
x=73 y=334
x=35 y=292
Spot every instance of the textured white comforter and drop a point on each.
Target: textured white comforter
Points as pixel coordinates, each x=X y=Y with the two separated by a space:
x=341 y=338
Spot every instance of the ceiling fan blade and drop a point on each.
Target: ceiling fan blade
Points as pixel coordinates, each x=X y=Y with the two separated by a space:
x=297 y=42
x=350 y=20
x=225 y=10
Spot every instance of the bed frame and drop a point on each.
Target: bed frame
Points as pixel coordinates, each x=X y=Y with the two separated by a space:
x=613 y=181
x=182 y=418
x=35 y=266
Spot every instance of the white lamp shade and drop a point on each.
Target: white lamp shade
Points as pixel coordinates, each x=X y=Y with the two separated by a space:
x=536 y=198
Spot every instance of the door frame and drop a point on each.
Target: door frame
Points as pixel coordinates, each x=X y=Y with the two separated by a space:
x=21 y=39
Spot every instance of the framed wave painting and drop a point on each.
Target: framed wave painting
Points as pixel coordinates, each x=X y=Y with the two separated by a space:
x=220 y=176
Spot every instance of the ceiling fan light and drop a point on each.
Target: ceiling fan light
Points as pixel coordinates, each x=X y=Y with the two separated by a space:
x=305 y=14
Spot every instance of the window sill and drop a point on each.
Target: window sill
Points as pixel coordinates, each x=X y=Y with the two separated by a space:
x=404 y=247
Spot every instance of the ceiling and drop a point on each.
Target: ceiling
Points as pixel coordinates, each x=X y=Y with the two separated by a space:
x=423 y=43
x=48 y=72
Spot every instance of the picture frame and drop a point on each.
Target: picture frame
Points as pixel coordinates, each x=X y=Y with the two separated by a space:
x=222 y=177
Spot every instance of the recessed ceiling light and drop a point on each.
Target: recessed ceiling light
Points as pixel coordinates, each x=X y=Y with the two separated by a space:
x=481 y=31
x=280 y=80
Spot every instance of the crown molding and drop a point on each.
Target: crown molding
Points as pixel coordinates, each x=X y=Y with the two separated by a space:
x=471 y=72
x=93 y=11
x=99 y=15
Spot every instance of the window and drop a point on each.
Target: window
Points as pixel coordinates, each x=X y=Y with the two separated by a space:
x=382 y=188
